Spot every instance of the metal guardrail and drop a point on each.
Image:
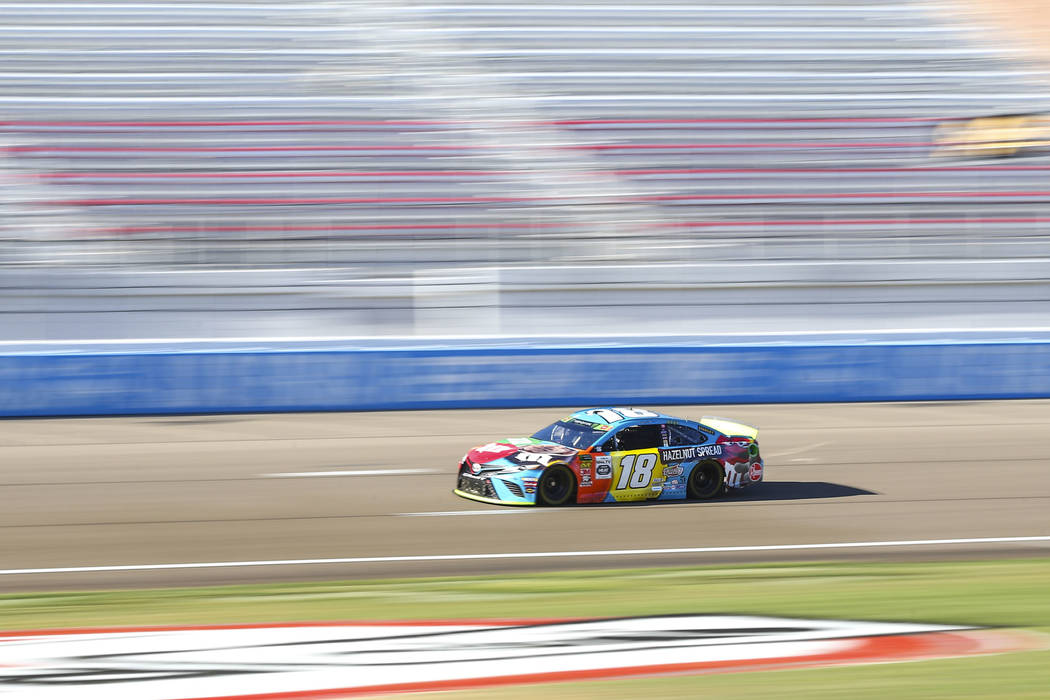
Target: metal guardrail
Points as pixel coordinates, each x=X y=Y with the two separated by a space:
x=754 y=299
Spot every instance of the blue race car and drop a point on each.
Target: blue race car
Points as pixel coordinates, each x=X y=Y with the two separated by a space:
x=611 y=455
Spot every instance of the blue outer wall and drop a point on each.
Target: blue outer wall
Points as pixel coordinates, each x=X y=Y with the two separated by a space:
x=306 y=379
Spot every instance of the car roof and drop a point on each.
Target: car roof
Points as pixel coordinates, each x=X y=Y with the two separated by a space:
x=617 y=416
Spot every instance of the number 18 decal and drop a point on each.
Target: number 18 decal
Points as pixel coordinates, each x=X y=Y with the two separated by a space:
x=636 y=471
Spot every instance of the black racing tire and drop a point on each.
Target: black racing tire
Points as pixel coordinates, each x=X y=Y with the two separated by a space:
x=705 y=481
x=556 y=487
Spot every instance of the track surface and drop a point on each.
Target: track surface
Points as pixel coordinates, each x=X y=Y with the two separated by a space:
x=111 y=491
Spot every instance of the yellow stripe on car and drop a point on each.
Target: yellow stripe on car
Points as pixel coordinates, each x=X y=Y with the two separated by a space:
x=728 y=427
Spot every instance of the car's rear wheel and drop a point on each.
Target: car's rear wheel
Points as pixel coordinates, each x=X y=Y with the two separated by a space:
x=705 y=481
x=556 y=487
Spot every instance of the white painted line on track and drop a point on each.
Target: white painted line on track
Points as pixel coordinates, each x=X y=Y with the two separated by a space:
x=522 y=555
x=359 y=472
x=807 y=448
x=438 y=513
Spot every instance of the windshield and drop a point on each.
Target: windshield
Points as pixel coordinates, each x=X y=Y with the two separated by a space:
x=570 y=434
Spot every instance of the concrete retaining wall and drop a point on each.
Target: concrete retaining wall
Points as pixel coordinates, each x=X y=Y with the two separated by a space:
x=232 y=377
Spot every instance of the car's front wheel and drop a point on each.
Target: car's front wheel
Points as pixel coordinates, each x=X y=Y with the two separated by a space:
x=556 y=487
x=706 y=480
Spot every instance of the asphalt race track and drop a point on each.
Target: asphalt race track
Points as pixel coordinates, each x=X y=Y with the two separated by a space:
x=106 y=492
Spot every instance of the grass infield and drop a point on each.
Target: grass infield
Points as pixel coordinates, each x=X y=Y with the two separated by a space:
x=998 y=593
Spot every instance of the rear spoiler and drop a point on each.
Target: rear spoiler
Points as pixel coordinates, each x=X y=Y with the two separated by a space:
x=730 y=428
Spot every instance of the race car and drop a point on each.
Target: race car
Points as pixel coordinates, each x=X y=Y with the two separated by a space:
x=613 y=455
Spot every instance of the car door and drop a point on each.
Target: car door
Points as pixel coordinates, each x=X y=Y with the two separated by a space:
x=637 y=470
x=685 y=447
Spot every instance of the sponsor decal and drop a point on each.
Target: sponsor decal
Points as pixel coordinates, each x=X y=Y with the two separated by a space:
x=676 y=470
x=613 y=415
x=585 y=480
x=585 y=461
x=540 y=454
x=491 y=452
x=600 y=427
x=546 y=449
x=531 y=459
x=324 y=659
x=603 y=467
x=755 y=473
x=685 y=454
x=735 y=473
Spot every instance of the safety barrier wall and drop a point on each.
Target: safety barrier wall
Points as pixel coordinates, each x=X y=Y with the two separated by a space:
x=315 y=377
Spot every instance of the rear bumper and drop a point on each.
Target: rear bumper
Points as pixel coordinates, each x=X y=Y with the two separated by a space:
x=742 y=475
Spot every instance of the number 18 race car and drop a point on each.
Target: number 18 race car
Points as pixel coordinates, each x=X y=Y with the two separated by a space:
x=610 y=455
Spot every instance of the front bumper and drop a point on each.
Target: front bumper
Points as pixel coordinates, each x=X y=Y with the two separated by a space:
x=490 y=489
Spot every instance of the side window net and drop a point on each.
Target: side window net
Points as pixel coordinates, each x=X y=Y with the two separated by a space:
x=639 y=437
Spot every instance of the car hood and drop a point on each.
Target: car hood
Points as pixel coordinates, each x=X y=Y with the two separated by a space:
x=521 y=454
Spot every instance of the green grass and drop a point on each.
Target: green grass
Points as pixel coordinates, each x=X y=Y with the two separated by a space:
x=1000 y=593
x=1014 y=676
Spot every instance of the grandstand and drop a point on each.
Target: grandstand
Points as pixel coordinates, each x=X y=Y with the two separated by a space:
x=384 y=137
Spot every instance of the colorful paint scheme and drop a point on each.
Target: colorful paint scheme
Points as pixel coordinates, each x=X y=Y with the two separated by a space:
x=610 y=455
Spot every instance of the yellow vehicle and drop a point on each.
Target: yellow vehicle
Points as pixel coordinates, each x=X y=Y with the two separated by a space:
x=992 y=137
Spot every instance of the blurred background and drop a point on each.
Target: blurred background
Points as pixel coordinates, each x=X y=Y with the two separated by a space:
x=277 y=169
x=749 y=209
